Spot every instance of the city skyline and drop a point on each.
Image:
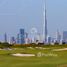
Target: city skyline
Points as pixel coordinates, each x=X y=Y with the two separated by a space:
x=15 y=15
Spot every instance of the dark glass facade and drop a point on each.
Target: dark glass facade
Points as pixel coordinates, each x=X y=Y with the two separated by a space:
x=22 y=36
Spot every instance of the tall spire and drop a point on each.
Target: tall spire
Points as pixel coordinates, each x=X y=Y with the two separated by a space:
x=45 y=24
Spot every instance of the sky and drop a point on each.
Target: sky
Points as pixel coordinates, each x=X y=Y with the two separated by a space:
x=28 y=14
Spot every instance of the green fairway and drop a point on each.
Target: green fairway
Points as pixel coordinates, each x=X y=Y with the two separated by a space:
x=48 y=59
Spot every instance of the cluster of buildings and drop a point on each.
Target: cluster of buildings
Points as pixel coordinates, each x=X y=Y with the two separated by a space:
x=23 y=37
x=20 y=39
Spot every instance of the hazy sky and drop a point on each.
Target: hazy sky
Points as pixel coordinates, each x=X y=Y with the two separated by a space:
x=16 y=14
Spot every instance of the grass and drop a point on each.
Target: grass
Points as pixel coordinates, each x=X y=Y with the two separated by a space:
x=6 y=60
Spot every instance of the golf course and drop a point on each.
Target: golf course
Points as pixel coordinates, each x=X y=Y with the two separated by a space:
x=47 y=56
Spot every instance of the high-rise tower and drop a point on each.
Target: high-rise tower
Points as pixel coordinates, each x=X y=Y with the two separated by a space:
x=5 y=37
x=22 y=36
x=18 y=38
x=45 y=25
x=58 y=36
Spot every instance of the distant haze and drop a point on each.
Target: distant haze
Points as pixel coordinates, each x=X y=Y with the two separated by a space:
x=27 y=14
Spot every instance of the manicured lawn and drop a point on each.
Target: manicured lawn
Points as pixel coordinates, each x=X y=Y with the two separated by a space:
x=7 y=60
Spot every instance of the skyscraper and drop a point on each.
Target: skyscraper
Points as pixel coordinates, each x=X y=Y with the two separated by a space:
x=22 y=36
x=49 y=40
x=13 y=40
x=5 y=37
x=58 y=37
x=26 y=35
x=45 y=24
x=26 y=38
x=18 y=39
x=65 y=36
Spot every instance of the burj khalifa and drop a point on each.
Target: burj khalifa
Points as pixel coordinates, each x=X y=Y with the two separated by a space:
x=45 y=31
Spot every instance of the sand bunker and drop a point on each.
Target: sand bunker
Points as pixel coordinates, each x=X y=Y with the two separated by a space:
x=59 y=49
x=5 y=49
x=23 y=55
x=41 y=48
